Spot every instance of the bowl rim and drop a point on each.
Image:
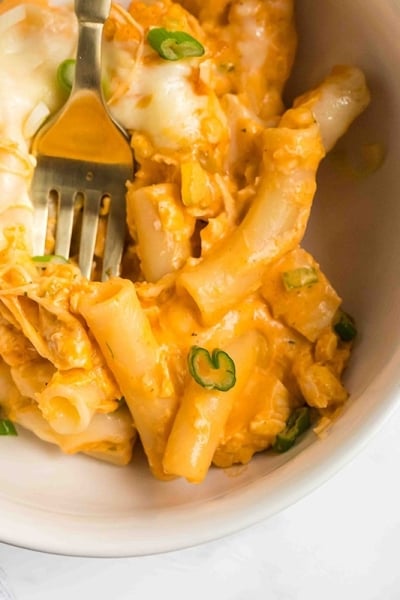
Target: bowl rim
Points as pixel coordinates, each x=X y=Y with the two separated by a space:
x=181 y=527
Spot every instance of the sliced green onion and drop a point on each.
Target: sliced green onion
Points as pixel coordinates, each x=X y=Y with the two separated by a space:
x=345 y=326
x=7 y=427
x=174 y=45
x=214 y=371
x=66 y=74
x=298 y=422
x=301 y=277
x=46 y=259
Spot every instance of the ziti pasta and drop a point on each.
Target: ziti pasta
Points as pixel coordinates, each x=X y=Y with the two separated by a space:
x=222 y=337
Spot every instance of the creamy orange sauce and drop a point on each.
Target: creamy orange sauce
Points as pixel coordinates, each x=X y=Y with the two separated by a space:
x=216 y=215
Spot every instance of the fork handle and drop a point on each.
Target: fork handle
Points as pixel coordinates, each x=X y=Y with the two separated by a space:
x=92 y=11
x=91 y=16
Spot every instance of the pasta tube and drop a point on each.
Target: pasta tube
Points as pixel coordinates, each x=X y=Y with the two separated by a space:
x=273 y=225
x=259 y=42
x=72 y=397
x=109 y=437
x=255 y=420
x=122 y=330
x=276 y=220
x=264 y=37
x=157 y=220
x=200 y=421
x=307 y=306
x=337 y=102
x=221 y=338
x=32 y=376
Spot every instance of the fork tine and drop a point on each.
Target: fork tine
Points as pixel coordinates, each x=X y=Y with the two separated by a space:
x=65 y=221
x=83 y=150
x=114 y=242
x=89 y=231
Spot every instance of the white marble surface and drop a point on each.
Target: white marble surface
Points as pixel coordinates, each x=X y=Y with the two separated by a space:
x=342 y=541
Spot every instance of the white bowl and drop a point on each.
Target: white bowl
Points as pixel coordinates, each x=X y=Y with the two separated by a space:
x=77 y=506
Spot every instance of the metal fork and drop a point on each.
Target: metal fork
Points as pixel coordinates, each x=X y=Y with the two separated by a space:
x=83 y=153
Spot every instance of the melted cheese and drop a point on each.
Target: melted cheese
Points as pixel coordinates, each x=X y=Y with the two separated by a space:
x=75 y=326
x=30 y=52
x=162 y=103
x=253 y=42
